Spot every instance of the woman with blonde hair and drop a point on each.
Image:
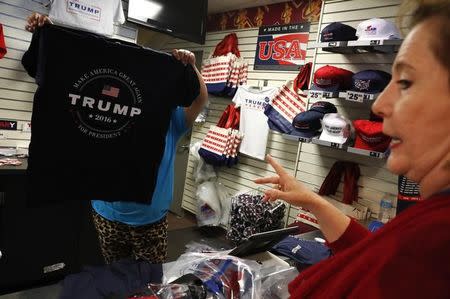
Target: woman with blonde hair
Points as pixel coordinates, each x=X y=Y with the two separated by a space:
x=409 y=257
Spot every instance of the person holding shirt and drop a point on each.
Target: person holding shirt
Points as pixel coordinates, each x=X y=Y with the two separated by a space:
x=137 y=230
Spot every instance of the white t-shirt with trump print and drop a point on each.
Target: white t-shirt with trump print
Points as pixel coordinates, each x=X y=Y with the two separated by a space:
x=98 y=16
x=253 y=122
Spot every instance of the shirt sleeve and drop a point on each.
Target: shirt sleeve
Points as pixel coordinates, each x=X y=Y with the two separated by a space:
x=179 y=122
x=354 y=233
x=33 y=59
x=187 y=86
x=237 y=98
x=119 y=16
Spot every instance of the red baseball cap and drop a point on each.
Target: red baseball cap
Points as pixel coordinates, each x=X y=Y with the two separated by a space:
x=369 y=135
x=2 y=43
x=331 y=78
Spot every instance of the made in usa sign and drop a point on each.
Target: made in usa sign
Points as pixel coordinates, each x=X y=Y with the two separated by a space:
x=282 y=47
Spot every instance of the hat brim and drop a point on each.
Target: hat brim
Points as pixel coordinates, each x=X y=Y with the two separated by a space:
x=366 y=91
x=325 y=136
x=378 y=147
x=331 y=88
x=305 y=134
x=378 y=37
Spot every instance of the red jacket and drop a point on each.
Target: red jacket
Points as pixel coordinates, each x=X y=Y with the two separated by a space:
x=408 y=257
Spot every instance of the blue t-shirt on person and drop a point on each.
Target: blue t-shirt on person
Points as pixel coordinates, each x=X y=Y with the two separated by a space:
x=136 y=214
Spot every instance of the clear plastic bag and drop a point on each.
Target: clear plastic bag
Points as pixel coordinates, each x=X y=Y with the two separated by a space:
x=209 y=210
x=224 y=276
x=275 y=286
x=225 y=201
x=202 y=172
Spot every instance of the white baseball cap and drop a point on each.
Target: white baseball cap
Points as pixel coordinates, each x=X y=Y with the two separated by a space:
x=335 y=128
x=375 y=29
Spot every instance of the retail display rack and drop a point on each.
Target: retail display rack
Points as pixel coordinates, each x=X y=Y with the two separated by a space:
x=358 y=46
x=349 y=95
x=345 y=147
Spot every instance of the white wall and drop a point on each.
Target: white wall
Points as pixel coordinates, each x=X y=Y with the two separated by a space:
x=308 y=162
x=16 y=87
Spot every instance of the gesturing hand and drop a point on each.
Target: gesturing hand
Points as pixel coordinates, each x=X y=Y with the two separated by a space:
x=286 y=186
x=185 y=56
x=36 y=20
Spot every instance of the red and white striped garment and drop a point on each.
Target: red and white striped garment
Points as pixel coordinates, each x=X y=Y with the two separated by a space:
x=288 y=103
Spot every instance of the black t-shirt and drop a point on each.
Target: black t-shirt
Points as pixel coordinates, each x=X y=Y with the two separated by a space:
x=100 y=114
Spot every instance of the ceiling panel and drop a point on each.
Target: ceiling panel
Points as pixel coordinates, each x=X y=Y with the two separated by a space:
x=215 y=6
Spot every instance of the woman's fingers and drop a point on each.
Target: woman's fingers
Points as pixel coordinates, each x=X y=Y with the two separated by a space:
x=268 y=180
x=274 y=194
x=277 y=167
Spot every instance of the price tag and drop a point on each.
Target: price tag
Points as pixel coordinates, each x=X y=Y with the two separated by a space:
x=302 y=139
x=375 y=42
x=328 y=94
x=375 y=154
x=315 y=94
x=332 y=44
x=357 y=96
x=335 y=145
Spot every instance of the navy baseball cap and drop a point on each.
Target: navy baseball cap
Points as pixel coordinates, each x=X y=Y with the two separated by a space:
x=337 y=31
x=323 y=107
x=307 y=124
x=370 y=81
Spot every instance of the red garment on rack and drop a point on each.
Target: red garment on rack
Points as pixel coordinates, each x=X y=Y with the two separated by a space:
x=2 y=43
x=408 y=257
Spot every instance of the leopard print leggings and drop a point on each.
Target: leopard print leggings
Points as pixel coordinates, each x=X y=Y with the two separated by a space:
x=119 y=240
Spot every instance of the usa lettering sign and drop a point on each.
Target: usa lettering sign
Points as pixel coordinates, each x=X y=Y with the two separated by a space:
x=282 y=47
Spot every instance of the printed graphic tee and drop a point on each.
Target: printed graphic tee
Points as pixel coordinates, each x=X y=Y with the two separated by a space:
x=100 y=114
x=253 y=122
x=96 y=16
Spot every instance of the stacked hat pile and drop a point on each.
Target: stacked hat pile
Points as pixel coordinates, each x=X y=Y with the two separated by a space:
x=250 y=215
x=308 y=124
x=372 y=29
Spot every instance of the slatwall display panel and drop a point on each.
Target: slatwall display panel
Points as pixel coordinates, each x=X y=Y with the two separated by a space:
x=240 y=177
x=315 y=161
x=16 y=87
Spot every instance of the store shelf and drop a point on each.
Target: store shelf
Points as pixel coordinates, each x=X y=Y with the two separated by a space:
x=297 y=138
x=319 y=94
x=360 y=97
x=356 y=46
x=329 y=144
x=345 y=147
x=336 y=47
x=367 y=153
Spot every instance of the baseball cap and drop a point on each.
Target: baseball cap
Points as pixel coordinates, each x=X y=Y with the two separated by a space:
x=337 y=31
x=2 y=43
x=330 y=78
x=307 y=124
x=323 y=107
x=369 y=135
x=375 y=29
x=335 y=128
x=370 y=81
